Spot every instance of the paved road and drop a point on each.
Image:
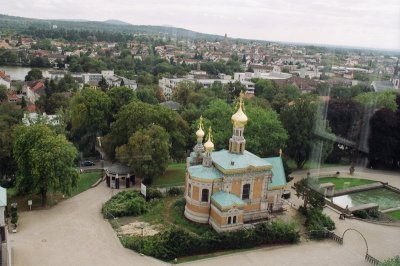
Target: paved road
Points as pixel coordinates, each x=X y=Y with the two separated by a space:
x=74 y=233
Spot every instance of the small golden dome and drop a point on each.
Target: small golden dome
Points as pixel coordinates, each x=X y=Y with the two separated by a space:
x=239 y=119
x=200 y=133
x=209 y=145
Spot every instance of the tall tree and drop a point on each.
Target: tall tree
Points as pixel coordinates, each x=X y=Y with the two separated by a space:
x=45 y=161
x=384 y=139
x=3 y=93
x=9 y=117
x=90 y=116
x=147 y=151
x=120 y=96
x=306 y=190
x=302 y=121
x=137 y=115
x=34 y=74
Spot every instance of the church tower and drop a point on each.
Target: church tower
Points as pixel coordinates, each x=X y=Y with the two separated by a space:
x=209 y=147
x=199 y=148
x=237 y=142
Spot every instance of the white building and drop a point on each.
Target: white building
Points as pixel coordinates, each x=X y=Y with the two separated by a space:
x=168 y=84
x=33 y=118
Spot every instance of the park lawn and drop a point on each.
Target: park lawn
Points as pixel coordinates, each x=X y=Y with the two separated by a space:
x=86 y=180
x=166 y=212
x=350 y=182
x=173 y=176
x=394 y=215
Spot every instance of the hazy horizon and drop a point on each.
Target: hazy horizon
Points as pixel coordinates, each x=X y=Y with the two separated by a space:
x=363 y=24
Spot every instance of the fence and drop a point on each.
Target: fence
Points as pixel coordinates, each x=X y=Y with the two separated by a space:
x=371 y=260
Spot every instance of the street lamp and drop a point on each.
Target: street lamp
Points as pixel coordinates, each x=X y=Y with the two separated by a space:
x=142 y=228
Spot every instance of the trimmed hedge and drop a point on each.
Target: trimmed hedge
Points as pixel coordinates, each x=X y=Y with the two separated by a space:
x=175 y=242
x=125 y=203
x=368 y=214
x=317 y=222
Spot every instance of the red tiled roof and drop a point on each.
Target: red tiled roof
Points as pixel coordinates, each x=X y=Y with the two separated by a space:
x=38 y=86
x=31 y=108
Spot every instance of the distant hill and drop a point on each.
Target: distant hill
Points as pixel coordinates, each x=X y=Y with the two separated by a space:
x=116 y=22
x=22 y=25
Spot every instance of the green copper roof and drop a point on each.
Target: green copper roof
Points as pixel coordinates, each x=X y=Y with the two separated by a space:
x=278 y=173
x=199 y=171
x=226 y=201
x=224 y=159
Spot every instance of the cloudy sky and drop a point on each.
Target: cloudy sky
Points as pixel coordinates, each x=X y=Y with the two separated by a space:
x=361 y=23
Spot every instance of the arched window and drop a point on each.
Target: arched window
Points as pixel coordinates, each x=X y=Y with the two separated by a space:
x=246 y=191
x=204 y=195
x=229 y=220
x=234 y=219
x=189 y=190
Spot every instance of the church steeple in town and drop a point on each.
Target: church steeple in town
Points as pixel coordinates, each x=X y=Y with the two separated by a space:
x=237 y=142
x=209 y=147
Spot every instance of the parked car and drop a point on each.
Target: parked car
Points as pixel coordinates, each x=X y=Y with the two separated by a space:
x=87 y=163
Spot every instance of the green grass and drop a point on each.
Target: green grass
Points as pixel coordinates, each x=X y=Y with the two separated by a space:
x=341 y=183
x=394 y=215
x=86 y=180
x=166 y=212
x=173 y=176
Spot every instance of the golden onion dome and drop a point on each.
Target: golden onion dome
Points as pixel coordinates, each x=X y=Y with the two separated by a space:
x=200 y=133
x=239 y=119
x=209 y=145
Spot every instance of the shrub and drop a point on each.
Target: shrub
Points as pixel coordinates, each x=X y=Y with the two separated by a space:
x=125 y=203
x=175 y=242
x=367 y=214
x=153 y=193
x=395 y=261
x=360 y=214
x=317 y=222
x=175 y=191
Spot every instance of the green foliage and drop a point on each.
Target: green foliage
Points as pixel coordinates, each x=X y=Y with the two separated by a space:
x=175 y=242
x=14 y=215
x=147 y=95
x=3 y=93
x=175 y=191
x=147 y=151
x=90 y=115
x=9 y=117
x=306 y=190
x=264 y=132
x=34 y=74
x=317 y=223
x=138 y=115
x=384 y=99
x=45 y=161
x=395 y=261
x=120 y=96
x=373 y=214
x=303 y=122
x=384 y=139
x=153 y=193
x=125 y=203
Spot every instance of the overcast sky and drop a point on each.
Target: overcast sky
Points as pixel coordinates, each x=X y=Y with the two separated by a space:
x=361 y=23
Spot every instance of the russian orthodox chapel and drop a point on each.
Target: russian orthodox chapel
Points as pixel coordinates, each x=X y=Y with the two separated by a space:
x=229 y=188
